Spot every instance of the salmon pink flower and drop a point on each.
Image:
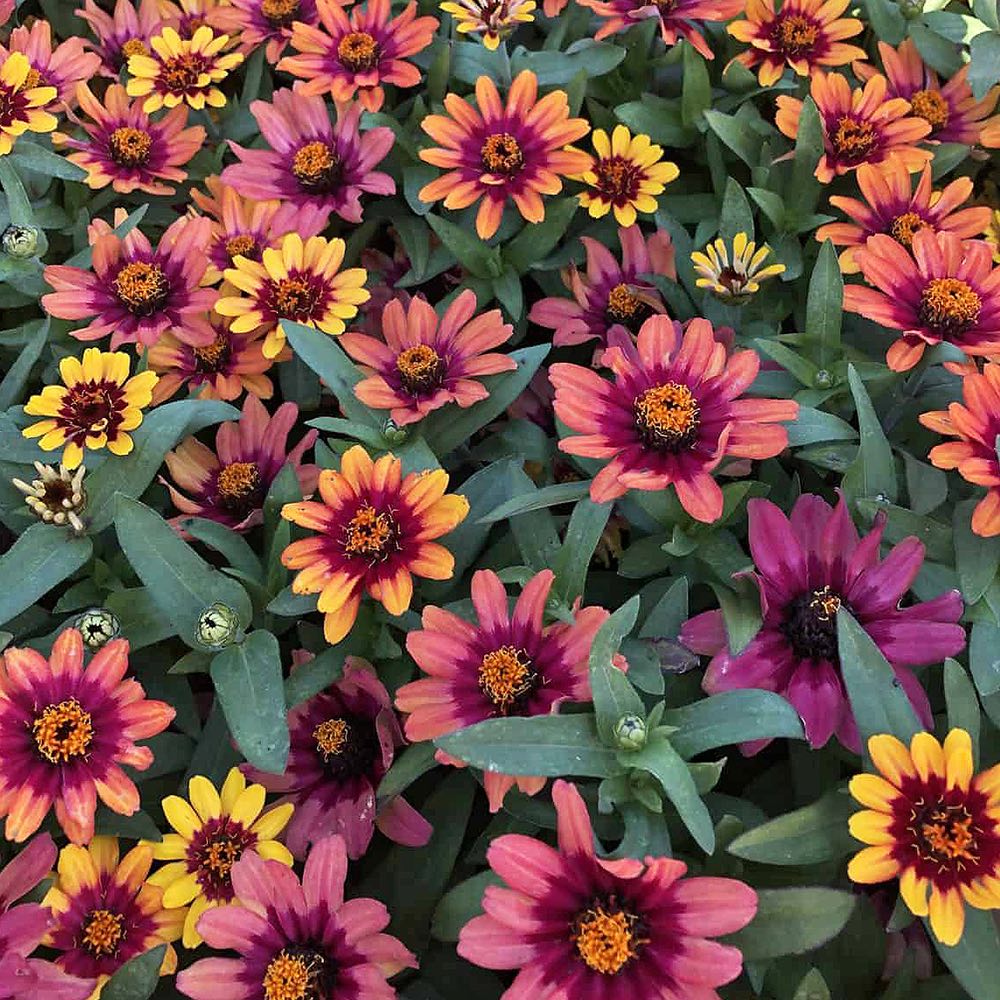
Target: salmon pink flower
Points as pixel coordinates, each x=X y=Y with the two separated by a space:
x=62 y=67
x=126 y=32
x=808 y=567
x=576 y=925
x=270 y=21
x=673 y=413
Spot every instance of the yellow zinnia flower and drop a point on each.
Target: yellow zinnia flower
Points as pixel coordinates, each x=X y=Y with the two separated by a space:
x=213 y=831
x=736 y=280
x=21 y=103
x=493 y=19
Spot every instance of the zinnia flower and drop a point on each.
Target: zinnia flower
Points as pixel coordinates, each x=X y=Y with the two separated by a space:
x=947 y=291
x=57 y=496
x=300 y=935
x=21 y=104
x=626 y=175
x=494 y=20
x=187 y=16
x=807 y=568
x=932 y=823
x=301 y=282
x=134 y=292
x=953 y=114
x=611 y=296
x=127 y=150
x=105 y=912
x=737 y=281
x=229 y=485
x=803 y=34
x=355 y=55
x=859 y=126
x=343 y=741
x=182 y=70
x=126 y=32
x=213 y=832
x=576 y=925
x=517 y=151
x=424 y=363
x=66 y=732
x=375 y=531
x=95 y=407
x=270 y=21
x=672 y=414
x=63 y=67
x=891 y=205
x=312 y=162
x=976 y=424
x=502 y=665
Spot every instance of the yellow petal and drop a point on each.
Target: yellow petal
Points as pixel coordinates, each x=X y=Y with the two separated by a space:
x=191 y=938
x=181 y=891
x=891 y=758
x=927 y=755
x=873 y=791
x=248 y=806
x=232 y=789
x=273 y=821
x=181 y=816
x=873 y=864
x=871 y=827
x=271 y=850
x=914 y=889
x=204 y=798
x=958 y=759
x=947 y=914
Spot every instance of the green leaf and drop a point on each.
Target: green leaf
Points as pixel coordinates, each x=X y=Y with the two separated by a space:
x=546 y=496
x=812 y=987
x=556 y=69
x=474 y=254
x=137 y=978
x=825 y=306
x=227 y=542
x=543 y=745
x=984 y=62
x=460 y=904
x=30 y=156
x=250 y=688
x=792 y=921
x=736 y=215
x=586 y=525
x=984 y=663
x=669 y=613
x=17 y=375
x=414 y=762
x=507 y=289
x=18 y=203
x=975 y=960
x=181 y=583
x=696 y=90
x=813 y=425
x=215 y=754
x=806 y=836
x=537 y=240
x=732 y=717
x=976 y=557
x=792 y=361
x=887 y=20
x=737 y=135
x=42 y=557
x=316 y=675
x=963 y=705
x=741 y=611
x=658 y=118
x=612 y=693
x=803 y=190
x=872 y=474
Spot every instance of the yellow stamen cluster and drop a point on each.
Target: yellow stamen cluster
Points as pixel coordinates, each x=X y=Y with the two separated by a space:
x=419 y=367
x=931 y=106
x=141 y=287
x=315 y=166
x=949 y=306
x=505 y=675
x=825 y=604
x=238 y=480
x=103 y=932
x=501 y=154
x=606 y=940
x=358 y=51
x=368 y=533
x=331 y=737
x=667 y=415
x=854 y=140
x=130 y=147
x=63 y=731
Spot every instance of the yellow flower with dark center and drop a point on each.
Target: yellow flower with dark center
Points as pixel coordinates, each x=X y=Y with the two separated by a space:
x=494 y=20
x=734 y=280
x=21 y=102
x=95 y=407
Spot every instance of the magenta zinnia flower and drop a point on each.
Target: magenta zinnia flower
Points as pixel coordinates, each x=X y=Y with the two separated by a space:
x=807 y=568
x=229 y=485
x=134 y=292
x=673 y=413
x=312 y=162
x=576 y=925
x=423 y=363
x=300 y=933
x=611 y=296
x=343 y=741
x=504 y=665
x=125 y=33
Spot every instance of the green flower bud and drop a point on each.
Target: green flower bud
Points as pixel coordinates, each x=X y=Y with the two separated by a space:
x=393 y=433
x=98 y=626
x=630 y=733
x=19 y=241
x=218 y=625
x=911 y=9
x=822 y=379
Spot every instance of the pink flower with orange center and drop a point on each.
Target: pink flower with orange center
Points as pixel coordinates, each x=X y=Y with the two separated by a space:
x=127 y=32
x=270 y=21
x=355 y=55
x=62 y=67
x=672 y=414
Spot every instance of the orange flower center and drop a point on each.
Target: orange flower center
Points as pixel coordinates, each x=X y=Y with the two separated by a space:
x=331 y=737
x=506 y=675
x=606 y=938
x=667 y=416
x=420 y=368
x=295 y=973
x=369 y=534
x=853 y=141
x=501 y=154
x=130 y=147
x=134 y=47
x=947 y=833
x=279 y=13
x=932 y=107
x=33 y=79
x=904 y=227
x=142 y=287
x=181 y=73
x=238 y=481
x=295 y=298
x=241 y=246
x=316 y=166
x=213 y=851
x=623 y=303
x=63 y=731
x=103 y=931
x=214 y=356
x=358 y=51
x=949 y=307
x=618 y=179
x=795 y=35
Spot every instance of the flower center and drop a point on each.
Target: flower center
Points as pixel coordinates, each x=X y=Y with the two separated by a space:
x=949 y=307
x=348 y=745
x=420 y=368
x=931 y=106
x=89 y=407
x=102 y=932
x=945 y=832
x=316 y=166
x=237 y=485
x=618 y=179
x=242 y=246
x=130 y=147
x=134 y=47
x=63 y=731
x=795 y=35
x=279 y=13
x=142 y=287
x=213 y=851
x=182 y=73
x=810 y=625
x=505 y=675
x=298 y=973
x=667 y=416
x=33 y=79
x=331 y=737
x=370 y=534
x=854 y=141
x=501 y=154
x=295 y=298
x=607 y=937
x=358 y=51
x=904 y=227
x=213 y=357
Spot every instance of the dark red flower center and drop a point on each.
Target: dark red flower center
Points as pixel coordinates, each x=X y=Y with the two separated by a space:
x=239 y=488
x=506 y=677
x=358 y=51
x=130 y=147
x=946 y=834
x=296 y=297
x=854 y=141
x=142 y=287
x=213 y=851
x=932 y=107
x=299 y=972
x=92 y=408
x=793 y=35
x=501 y=154
x=667 y=416
x=348 y=745
x=13 y=106
x=180 y=74
x=214 y=357
x=102 y=932
x=279 y=13
x=607 y=936
x=949 y=307
x=810 y=625
x=420 y=369
x=618 y=179
x=242 y=245
x=317 y=167
x=63 y=731
x=371 y=534
x=904 y=227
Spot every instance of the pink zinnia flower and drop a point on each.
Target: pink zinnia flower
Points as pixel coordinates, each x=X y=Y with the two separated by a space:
x=287 y=931
x=501 y=666
x=63 y=67
x=576 y=925
x=134 y=292
x=611 y=296
x=343 y=741
x=270 y=21
x=807 y=568
x=125 y=33
x=312 y=163
x=673 y=413
x=424 y=363
x=229 y=484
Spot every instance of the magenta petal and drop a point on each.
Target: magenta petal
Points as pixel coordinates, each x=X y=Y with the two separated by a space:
x=325 y=872
x=705 y=634
x=400 y=822
x=27 y=869
x=776 y=551
x=23 y=927
x=816 y=692
x=914 y=643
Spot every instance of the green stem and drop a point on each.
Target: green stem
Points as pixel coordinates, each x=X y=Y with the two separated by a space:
x=506 y=77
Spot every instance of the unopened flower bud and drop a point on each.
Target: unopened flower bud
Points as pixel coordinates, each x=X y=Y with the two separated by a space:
x=822 y=379
x=98 y=626
x=19 y=241
x=218 y=625
x=630 y=732
x=393 y=433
